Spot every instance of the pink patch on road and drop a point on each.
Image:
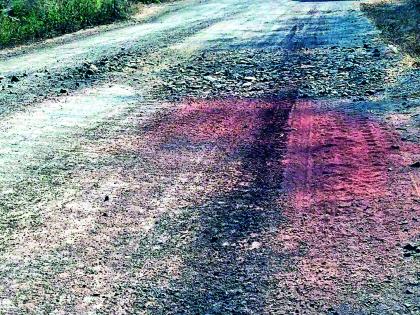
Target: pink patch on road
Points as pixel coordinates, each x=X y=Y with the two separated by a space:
x=335 y=158
x=353 y=201
x=223 y=124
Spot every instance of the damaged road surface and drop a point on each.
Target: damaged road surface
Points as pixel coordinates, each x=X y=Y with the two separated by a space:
x=222 y=157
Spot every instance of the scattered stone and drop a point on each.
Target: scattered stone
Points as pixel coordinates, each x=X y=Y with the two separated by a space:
x=14 y=79
x=106 y=198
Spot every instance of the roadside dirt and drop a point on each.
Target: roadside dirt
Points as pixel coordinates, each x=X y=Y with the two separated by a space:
x=399 y=22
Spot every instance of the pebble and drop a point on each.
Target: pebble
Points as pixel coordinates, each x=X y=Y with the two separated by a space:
x=255 y=245
x=415 y=164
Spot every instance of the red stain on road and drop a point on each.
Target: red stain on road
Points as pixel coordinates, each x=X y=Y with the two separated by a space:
x=224 y=124
x=336 y=158
x=350 y=195
x=353 y=200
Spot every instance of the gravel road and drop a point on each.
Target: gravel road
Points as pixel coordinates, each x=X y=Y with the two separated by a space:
x=220 y=157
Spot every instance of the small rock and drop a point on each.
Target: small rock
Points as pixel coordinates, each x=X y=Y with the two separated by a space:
x=14 y=79
x=63 y=91
x=255 y=245
x=106 y=198
x=92 y=70
x=344 y=204
x=390 y=50
x=250 y=79
x=415 y=164
x=410 y=247
x=210 y=78
x=214 y=239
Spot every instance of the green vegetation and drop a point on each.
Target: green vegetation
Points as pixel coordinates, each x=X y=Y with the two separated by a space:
x=22 y=20
x=399 y=21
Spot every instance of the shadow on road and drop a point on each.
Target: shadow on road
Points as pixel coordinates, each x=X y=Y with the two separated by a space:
x=229 y=264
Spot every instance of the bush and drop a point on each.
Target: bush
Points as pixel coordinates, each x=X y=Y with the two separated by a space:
x=399 y=22
x=28 y=19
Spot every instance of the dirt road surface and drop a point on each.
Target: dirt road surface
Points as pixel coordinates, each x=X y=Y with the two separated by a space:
x=220 y=157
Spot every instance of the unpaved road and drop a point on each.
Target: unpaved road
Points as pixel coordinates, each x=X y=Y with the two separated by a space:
x=223 y=157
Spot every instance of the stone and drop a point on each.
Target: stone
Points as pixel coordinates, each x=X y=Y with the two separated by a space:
x=410 y=247
x=255 y=245
x=415 y=164
x=250 y=78
x=210 y=78
x=92 y=69
x=390 y=50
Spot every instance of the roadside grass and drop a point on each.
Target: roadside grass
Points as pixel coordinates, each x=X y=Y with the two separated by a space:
x=399 y=21
x=23 y=20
